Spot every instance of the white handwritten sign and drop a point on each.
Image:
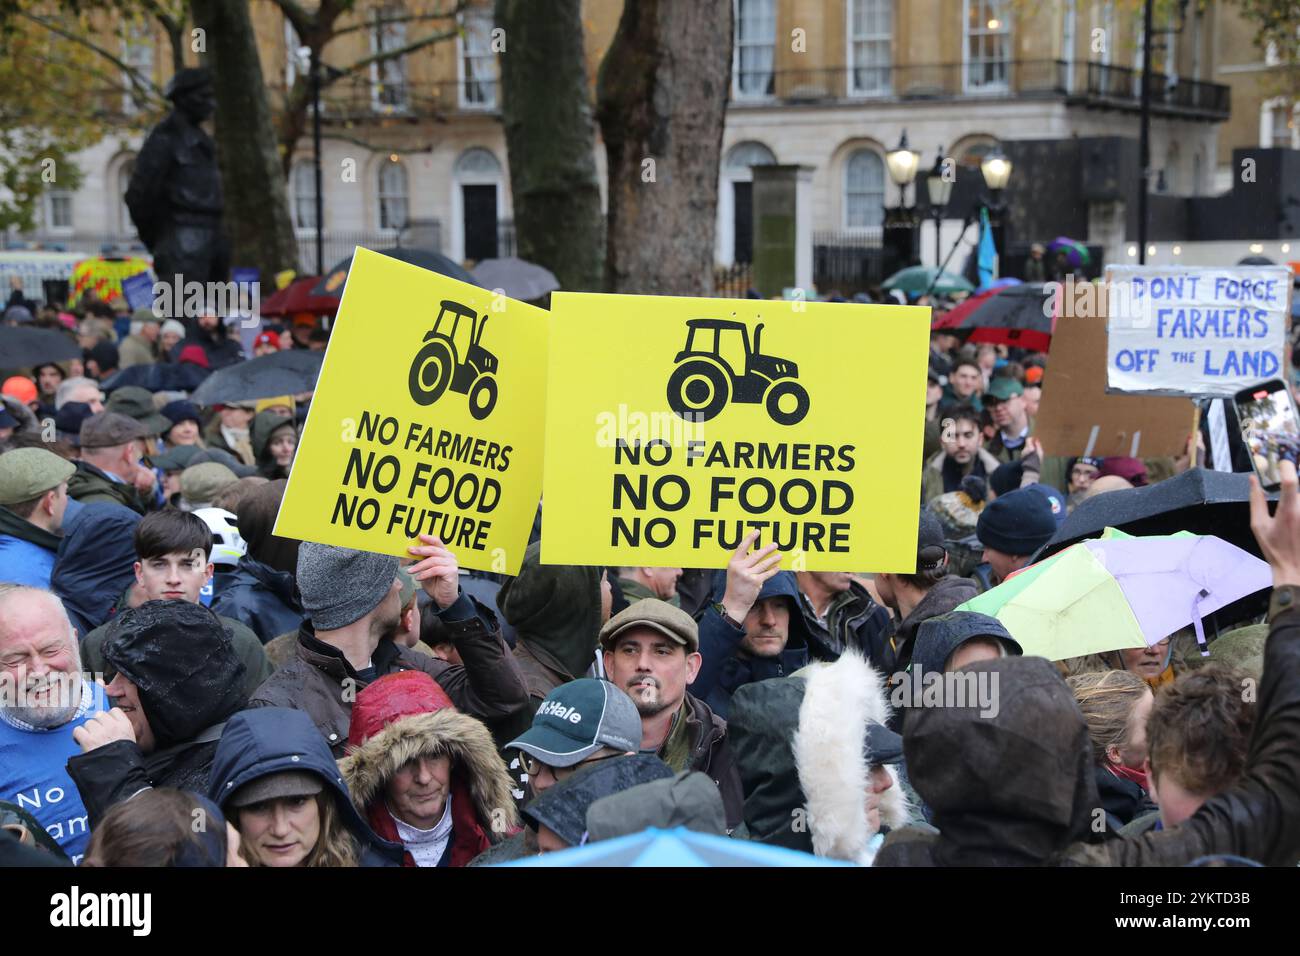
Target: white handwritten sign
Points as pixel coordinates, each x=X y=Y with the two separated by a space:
x=1198 y=332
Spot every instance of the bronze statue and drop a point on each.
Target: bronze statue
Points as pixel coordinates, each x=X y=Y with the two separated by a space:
x=174 y=196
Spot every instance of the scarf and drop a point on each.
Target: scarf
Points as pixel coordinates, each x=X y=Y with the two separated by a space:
x=676 y=749
x=1130 y=774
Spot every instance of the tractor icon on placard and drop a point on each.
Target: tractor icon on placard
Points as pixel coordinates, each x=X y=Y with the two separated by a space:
x=703 y=380
x=452 y=356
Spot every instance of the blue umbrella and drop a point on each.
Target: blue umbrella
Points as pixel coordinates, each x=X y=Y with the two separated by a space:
x=677 y=847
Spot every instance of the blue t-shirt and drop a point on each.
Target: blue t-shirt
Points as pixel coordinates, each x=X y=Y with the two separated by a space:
x=34 y=775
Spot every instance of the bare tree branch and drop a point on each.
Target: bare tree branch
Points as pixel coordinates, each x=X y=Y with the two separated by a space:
x=139 y=84
x=384 y=55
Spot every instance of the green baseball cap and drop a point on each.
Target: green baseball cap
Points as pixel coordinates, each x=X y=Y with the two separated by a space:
x=28 y=472
x=1001 y=388
x=577 y=719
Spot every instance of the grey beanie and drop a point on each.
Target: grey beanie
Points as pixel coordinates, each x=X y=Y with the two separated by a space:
x=340 y=585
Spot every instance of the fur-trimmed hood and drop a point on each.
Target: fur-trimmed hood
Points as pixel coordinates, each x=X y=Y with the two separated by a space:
x=839 y=701
x=464 y=739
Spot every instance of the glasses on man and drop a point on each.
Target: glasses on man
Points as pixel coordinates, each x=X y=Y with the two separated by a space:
x=532 y=766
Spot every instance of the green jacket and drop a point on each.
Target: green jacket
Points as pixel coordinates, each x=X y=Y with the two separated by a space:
x=89 y=484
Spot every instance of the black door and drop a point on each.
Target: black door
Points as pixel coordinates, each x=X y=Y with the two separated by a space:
x=743 y=220
x=480 y=203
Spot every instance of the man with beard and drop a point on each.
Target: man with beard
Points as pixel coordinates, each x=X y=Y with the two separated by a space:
x=44 y=697
x=963 y=454
x=652 y=651
x=353 y=601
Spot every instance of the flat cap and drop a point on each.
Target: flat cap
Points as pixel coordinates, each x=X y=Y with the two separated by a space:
x=28 y=472
x=200 y=483
x=138 y=403
x=655 y=614
x=107 y=429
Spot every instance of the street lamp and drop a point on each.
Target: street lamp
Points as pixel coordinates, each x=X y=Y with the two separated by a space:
x=900 y=221
x=938 y=188
x=996 y=170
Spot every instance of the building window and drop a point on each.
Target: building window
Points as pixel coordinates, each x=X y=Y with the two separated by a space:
x=392 y=195
x=478 y=78
x=137 y=55
x=388 y=92
x=864 y=190
x=304 y=194
x=1107 y=27
x=755 y=48
x=125 y=226
x=987 y=49
x=58 y=209
x=871 y=35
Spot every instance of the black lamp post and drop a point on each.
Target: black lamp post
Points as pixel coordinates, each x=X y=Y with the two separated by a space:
x=900 y=221
x=996 y=169
x=938 y=189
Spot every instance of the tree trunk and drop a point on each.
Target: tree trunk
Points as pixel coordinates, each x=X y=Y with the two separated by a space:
x=663 y=94
x=550 y=140
x=257 y=207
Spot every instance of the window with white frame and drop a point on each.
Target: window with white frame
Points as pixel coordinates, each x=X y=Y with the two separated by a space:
x=871 y=36
x=303 y=176
x=478 y=76
x=137 y=56
x=755 y=48
x=58 y=210
x=864 y=190
x=125 y=226
x=392 y=195
x=1107 y=27
x=987 y=45
x=388 y=91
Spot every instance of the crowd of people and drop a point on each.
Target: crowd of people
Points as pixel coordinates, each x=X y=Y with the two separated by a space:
x=166 y=658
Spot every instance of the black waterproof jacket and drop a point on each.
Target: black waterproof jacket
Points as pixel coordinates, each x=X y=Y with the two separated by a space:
x=261 y=598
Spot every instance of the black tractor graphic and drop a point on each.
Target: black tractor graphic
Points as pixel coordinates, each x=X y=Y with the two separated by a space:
x=703 y=381
x=453 y=356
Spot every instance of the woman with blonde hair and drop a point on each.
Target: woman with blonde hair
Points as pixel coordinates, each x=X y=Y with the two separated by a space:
x=276 y=781
x=1116 y=704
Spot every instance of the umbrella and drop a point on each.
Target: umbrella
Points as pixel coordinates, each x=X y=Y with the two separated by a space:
x=21 y=346
x=332 y=283
x=1256 y=261
x=953 y=318
x=915 y=281
x=1198 y=500
x=169 y=377
x=677 y=847
x=1018 y=315
x=1001 y=283
x=1121 y=592
x=281 y=373
x=297 y=297
x=519 y=279
x=1076 y=253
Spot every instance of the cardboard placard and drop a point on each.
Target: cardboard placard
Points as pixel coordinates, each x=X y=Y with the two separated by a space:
x=427 y=418
x=1077 y=416
x=1198 y=332
x=675 y=426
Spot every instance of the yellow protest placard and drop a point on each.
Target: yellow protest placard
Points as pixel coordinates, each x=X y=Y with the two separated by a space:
x=427 y=418
x=677 y=425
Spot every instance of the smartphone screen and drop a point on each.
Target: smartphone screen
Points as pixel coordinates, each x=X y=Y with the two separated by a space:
x=1270 y=428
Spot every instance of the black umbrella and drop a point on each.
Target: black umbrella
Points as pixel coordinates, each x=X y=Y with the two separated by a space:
x=21 y=346
x=1256 y=261
x=185 y=377
x=1015 y=315
x=332 y=282
x=282 y=373
x=1198 y=500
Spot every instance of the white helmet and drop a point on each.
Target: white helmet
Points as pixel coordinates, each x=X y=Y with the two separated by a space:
x=227 y=545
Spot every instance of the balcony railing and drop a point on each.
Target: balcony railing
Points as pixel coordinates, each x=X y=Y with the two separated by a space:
x=362 y=99
x=1090 y=83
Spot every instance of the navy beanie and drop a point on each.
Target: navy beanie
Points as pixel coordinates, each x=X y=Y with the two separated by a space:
x=1019 y=522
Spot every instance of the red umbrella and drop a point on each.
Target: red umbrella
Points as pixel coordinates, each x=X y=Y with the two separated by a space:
x=953 y=318
x=297 y=297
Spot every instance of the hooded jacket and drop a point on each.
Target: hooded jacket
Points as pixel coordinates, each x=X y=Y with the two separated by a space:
x=94 y=564
x=270 y=740
x=941 y=475
x=555 y=611
x=710 y=753
x=400 y=718
x=1123 y=801
x=1019 y=787
x=563 y=808
x=724 y=670
x=487 y=686
x=853 y=620
x=799 y=745
x=893 y=652
x=261 y=598
x=26 y=551
x=190 y=680
x=264 y=425
x=91 y=485
x=689 y=800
